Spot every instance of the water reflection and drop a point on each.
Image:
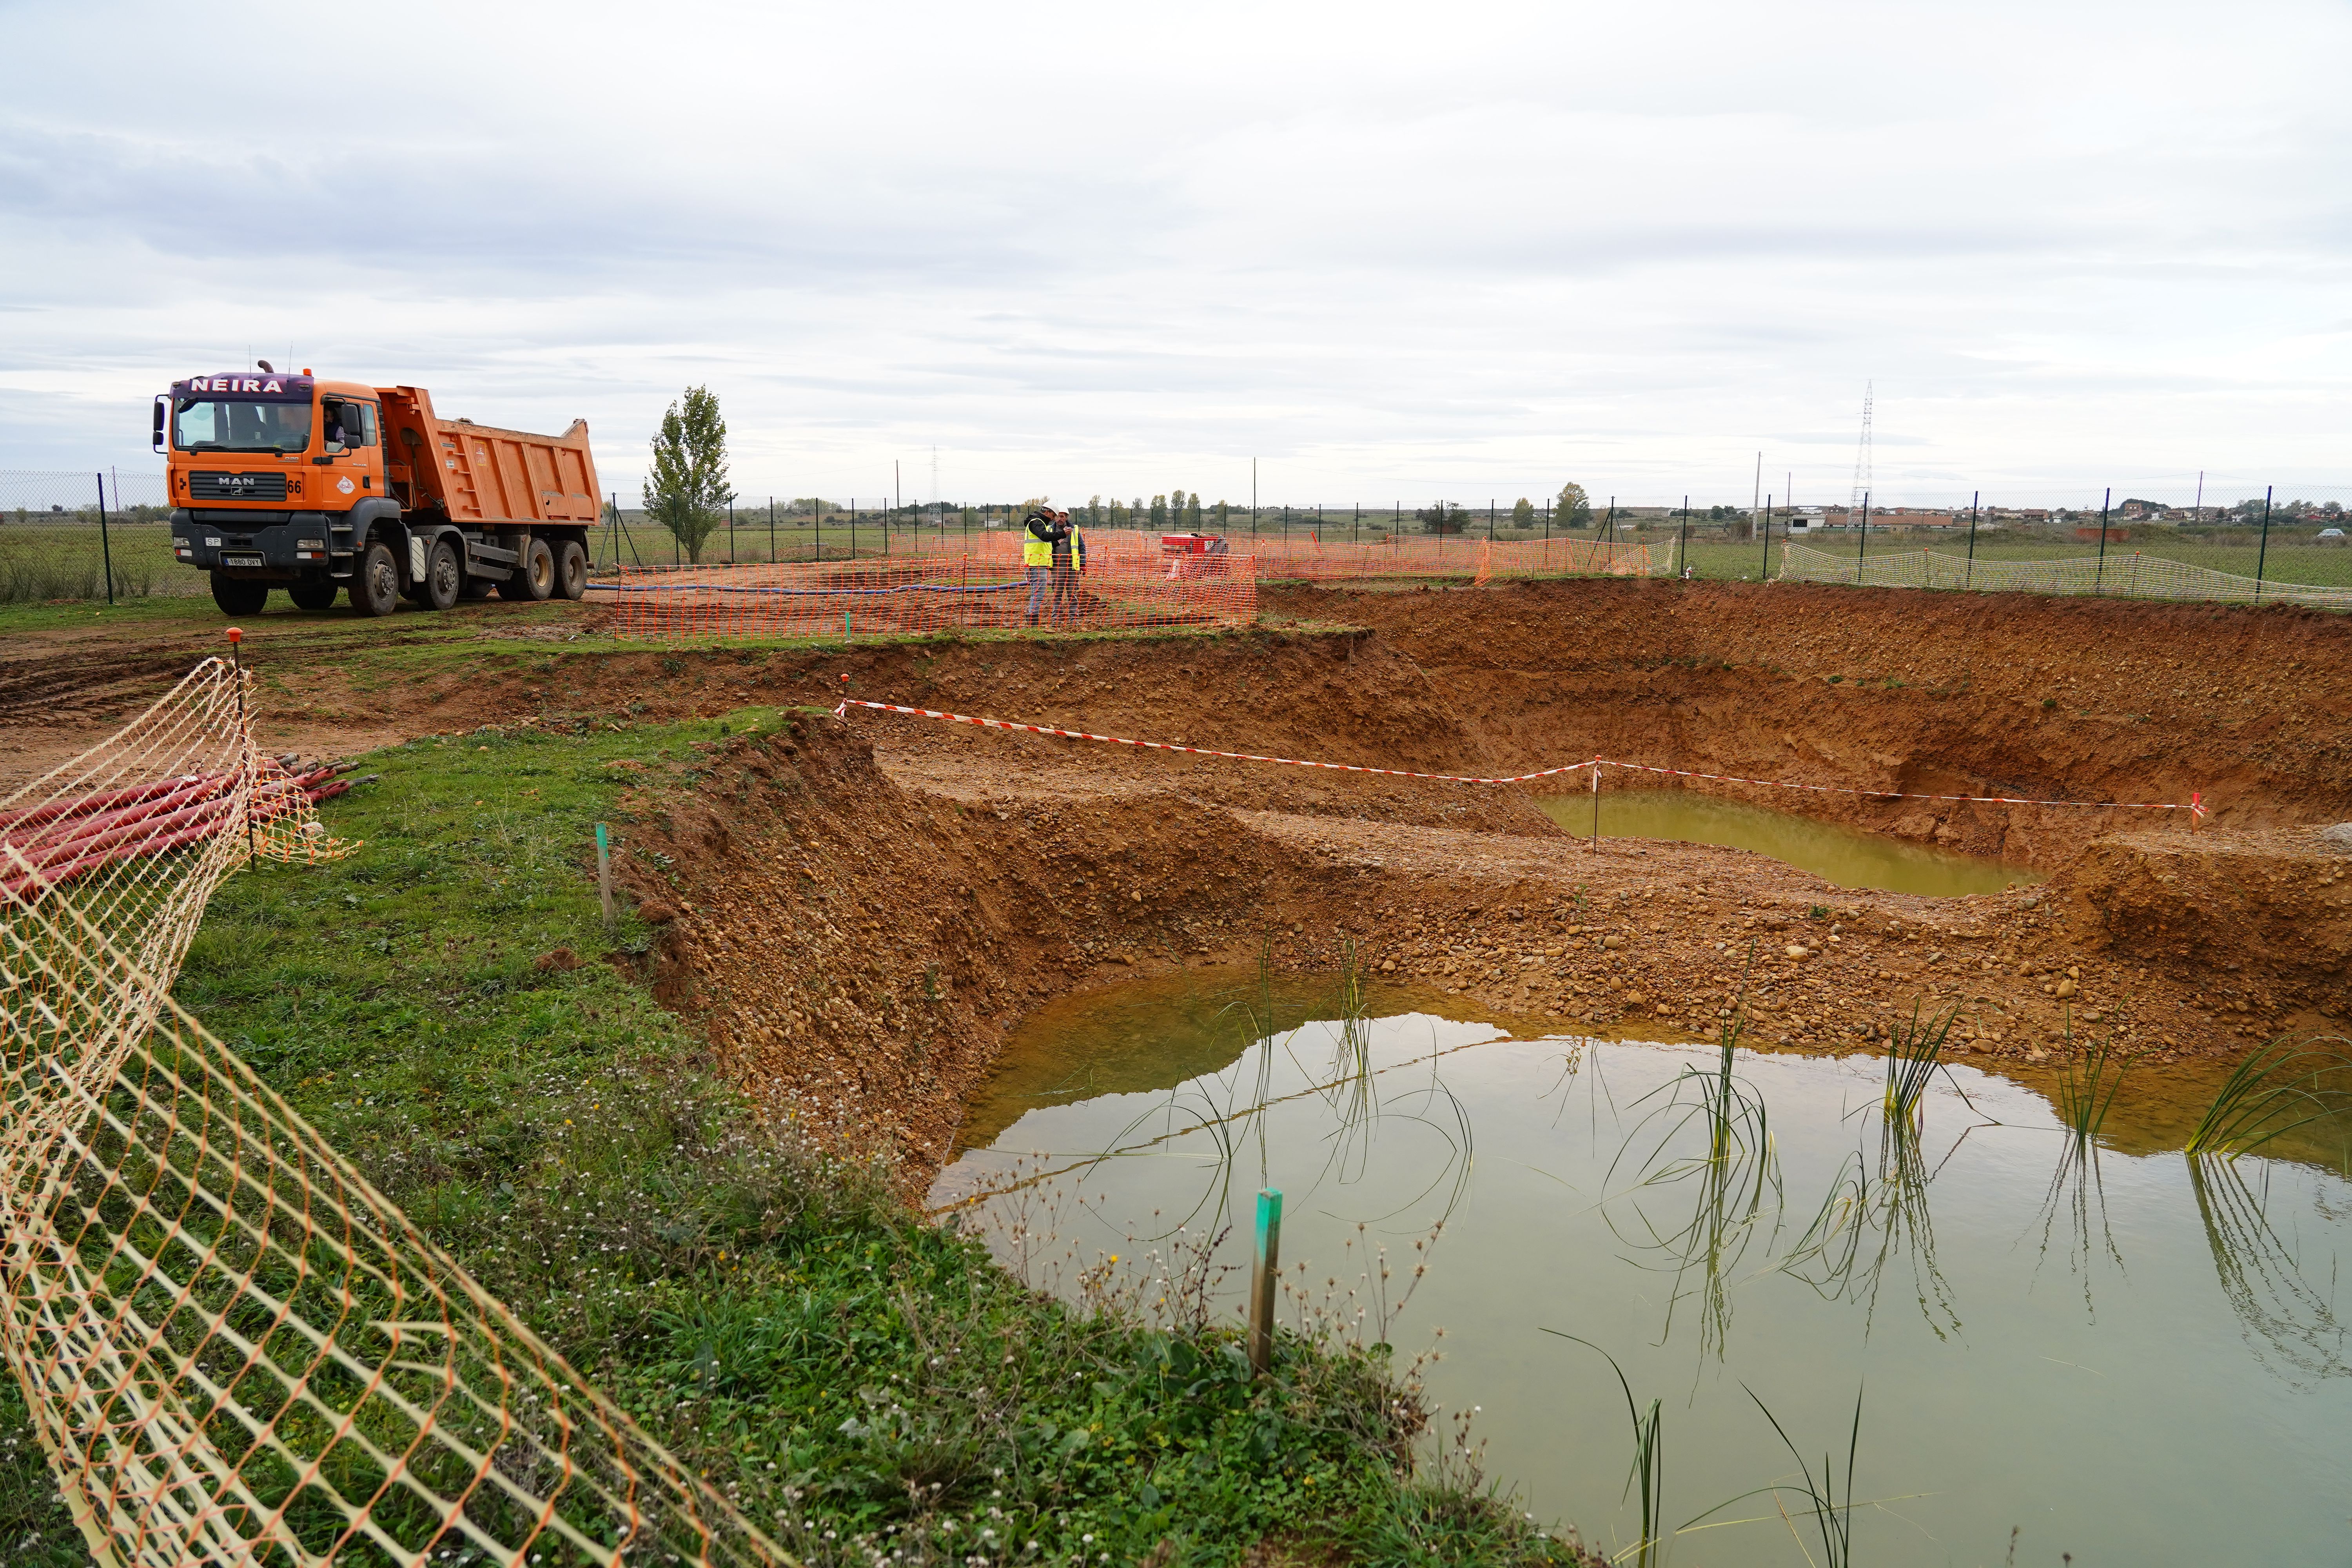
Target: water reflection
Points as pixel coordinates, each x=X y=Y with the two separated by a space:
x=1733 y=1220
x=2291 y=1325
x=1731 y=1184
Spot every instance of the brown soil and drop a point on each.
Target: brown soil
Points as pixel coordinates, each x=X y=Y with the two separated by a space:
x=858 y=911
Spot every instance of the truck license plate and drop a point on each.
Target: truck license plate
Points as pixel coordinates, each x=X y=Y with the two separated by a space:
x=240 y=560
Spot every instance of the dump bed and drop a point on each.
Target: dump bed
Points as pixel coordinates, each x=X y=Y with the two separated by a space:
x=483 y=476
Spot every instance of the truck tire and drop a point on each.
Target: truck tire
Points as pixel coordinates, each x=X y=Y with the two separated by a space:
x=534 y=575
x=237 y=596
x=443 y=577
x=571 y=570
x=311 y=596
x=375 y=588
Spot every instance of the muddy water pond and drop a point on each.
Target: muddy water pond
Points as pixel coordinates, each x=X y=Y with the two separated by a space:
x=2130 y=1356
x=1845 y=855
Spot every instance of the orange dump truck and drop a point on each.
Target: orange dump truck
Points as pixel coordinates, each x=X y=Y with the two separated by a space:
x=290 y=481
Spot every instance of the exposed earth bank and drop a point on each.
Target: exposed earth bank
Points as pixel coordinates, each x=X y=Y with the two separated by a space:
x=1044 y=864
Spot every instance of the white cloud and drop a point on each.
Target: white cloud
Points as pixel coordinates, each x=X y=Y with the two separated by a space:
x=1398 y=251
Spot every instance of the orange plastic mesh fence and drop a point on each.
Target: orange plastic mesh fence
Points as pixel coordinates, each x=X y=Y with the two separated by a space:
x=235 y=1351
x=137 y=831
x=924 y=593
x=1300 y=555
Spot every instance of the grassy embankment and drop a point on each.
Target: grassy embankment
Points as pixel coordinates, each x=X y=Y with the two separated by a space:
x=855 y=1379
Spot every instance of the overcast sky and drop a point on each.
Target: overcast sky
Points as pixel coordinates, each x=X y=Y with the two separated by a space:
x=1391 y=252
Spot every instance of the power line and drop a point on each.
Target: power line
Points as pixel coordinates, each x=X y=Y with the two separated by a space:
x=1862 y=457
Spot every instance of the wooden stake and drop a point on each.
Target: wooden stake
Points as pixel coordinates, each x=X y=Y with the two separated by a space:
x=1264 y=1273
x=1596 y=806
x=605 y=873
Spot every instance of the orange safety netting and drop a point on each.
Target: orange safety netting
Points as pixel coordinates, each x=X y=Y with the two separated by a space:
x=1302 y=556
x=234 y=1350
x=137 y=831
x=926 y=594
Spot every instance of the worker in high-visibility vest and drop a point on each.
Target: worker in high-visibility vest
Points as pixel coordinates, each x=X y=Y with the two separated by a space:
x=1069 y=565
x=1040 y=532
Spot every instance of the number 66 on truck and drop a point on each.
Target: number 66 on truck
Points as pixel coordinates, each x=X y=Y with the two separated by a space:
x=290 y=481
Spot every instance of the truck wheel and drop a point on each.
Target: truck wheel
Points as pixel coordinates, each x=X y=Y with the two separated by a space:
x=313 y=596
x=238 y=596
x=534 y=575
x=443 y=576
x=375 y=590
x=571 y=569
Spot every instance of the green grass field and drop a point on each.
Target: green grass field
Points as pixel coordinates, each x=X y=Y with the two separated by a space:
x=868 y=1385
x=2288 y=559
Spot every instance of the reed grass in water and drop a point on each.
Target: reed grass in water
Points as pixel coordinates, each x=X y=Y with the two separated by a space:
x=2087 y=1093
x=1914 y=1052
x=2282 y=1087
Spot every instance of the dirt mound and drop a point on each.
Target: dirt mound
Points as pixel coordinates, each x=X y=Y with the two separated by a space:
x=2259 y=925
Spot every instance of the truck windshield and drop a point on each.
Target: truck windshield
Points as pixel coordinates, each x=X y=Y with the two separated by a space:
x=229 y=425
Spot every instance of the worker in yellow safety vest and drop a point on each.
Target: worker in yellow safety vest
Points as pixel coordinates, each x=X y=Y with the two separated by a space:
x=1069 y=565
x=1041 y=532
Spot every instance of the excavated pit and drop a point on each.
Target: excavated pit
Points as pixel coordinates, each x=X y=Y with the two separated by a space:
x=857 y=910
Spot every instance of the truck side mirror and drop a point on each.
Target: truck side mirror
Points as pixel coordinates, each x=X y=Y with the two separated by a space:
x=162 y=411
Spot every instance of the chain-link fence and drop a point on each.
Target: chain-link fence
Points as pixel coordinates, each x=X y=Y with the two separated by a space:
x=80 y=536
x=93 y=534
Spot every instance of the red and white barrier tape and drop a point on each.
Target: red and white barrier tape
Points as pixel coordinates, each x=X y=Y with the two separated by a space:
x=2196 y=804
x=849 y=702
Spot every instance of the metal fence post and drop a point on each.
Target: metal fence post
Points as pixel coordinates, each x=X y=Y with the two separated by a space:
x=106 y=548
x=1682 y=545
x=2264 y=554
x=1969 y=577
x=2099 y=577
x=1764 y=565
x=1862 y=550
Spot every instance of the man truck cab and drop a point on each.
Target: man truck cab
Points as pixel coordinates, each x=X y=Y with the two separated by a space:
x=312 y=486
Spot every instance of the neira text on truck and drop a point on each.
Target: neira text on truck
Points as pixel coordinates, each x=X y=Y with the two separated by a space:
x=294 y=482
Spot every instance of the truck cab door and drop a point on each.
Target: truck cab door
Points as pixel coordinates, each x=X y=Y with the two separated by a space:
x=353 y=453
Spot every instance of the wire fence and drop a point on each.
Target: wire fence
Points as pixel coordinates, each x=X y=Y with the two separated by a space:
x=928 y=593
x=91 y=535
x=234 y=1350
x=82 y=536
